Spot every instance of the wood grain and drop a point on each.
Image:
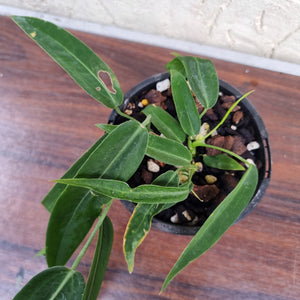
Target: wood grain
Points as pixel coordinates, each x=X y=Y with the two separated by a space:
x=47 y=122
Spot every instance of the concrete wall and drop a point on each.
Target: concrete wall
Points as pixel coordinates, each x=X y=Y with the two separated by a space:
x=267 y=28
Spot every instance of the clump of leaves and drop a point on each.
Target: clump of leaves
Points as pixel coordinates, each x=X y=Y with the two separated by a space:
x=85 y=193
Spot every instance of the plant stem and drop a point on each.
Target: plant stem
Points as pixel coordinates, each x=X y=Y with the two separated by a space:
x=203 y=113
x=227 y=113
x=91 y=237
x=202 y=144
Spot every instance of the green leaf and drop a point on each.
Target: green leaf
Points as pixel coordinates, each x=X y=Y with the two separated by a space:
x=57 y=190
x=78 y=60
x=223 y=162
x=118 y=157
x=100 y=261
x=186 y=109
x=53 y=283
x=201 y=75
x=107 y=127
x=165 y=123
x=141 y=218
x=162 y=149
x=141 y=194
x=218 y=222
x=168 y=151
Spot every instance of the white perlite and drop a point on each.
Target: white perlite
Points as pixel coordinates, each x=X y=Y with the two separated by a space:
x=253 y=146
x=152 y=166
x=163 y=85
x=174 y=219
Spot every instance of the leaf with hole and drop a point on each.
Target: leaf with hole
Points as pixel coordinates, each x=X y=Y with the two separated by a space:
x=87 y=69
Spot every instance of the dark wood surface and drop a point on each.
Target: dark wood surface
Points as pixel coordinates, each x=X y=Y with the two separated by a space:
x=47 y=122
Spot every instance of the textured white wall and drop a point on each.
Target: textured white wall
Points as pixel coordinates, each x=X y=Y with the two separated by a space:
x=268 y=28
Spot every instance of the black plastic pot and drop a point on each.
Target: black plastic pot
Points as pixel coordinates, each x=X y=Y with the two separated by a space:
x=261 y=136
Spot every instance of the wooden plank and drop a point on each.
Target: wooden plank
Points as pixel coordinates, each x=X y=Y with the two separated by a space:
x=47 y=122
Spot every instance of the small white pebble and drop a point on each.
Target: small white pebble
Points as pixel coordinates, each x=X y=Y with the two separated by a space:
x=187 y=215
x=140 y=104
x=174 y=219
x=163 y=85
x=214 y=133
x=152 y=166
x=253 y=146
x=204 y=129
x=233 y=127
x=221 y=94
x=250 y=161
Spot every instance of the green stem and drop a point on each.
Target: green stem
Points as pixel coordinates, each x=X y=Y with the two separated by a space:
x=147 y=121
x=202 y=144
x=227 y=114
x=91 y=237
x=203 y=113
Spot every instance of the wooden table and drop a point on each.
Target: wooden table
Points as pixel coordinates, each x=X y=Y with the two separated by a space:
x=47 y=122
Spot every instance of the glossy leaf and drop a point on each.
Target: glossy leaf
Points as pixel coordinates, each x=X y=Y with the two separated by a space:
x=218 y=222
x=54 y=283
x=118 y=156
x=168 y=151
x=141 y=194
x=186 y=109
x=100 y=261
x=78 y=60
x=141 y=218
x=201 y=75
x=165 y=123
x=57 y=190
x=223 y=162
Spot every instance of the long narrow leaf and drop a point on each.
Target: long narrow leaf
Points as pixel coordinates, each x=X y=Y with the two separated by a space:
x=54 y=283
x=168 y=151
x=218 y=222
x=201 y=75
x=78 y=60
x=118 y=157
x=141 y=218
x=100 y=261
x=141 y=194
x=186 y=109
x=165 y=123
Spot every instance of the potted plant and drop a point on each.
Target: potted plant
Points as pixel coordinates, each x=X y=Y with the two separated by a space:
x=180 y=140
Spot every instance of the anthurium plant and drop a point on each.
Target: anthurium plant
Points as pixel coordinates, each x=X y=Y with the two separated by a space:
x=83 y=196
